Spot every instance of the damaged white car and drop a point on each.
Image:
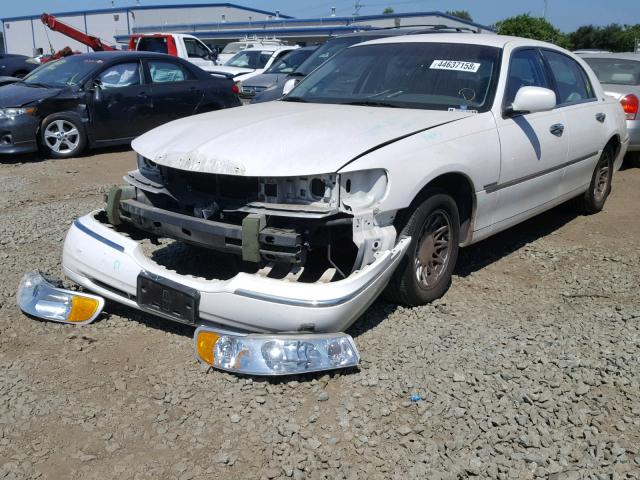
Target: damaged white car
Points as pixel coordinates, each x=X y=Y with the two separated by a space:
x=397 y=152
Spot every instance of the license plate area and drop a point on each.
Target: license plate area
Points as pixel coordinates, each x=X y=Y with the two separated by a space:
x=167 y=298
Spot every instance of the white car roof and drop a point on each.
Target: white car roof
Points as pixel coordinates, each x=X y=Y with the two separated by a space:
x=490 y=40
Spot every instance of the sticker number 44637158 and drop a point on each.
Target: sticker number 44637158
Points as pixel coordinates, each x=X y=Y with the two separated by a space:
x=455 y=65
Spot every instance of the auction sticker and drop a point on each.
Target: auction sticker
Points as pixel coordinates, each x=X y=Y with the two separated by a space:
x=455 y=65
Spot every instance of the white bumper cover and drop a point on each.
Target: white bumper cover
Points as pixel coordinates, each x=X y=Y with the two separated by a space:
x=108 y=263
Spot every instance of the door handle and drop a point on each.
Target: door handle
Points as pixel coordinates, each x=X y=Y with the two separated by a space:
x=557 y=129
x=601 y=117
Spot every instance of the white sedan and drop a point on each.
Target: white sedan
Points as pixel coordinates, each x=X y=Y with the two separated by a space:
x=397 y=152
x=251 y=62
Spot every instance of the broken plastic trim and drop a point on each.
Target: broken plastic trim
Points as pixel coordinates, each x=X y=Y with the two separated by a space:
x=40 y=298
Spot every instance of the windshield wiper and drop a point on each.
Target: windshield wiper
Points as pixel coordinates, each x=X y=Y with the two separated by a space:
x=371 y=103
x=294 y=99
x=297 y=74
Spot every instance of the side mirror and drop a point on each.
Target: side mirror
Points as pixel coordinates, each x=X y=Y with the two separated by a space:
x=289 y=85
x=531 y=100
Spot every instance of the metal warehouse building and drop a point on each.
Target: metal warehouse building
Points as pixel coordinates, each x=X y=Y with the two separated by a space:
x=214 y=23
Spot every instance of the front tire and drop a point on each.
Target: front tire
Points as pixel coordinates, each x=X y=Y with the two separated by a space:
x=593 y=200
x=62 y=136
x=424 y=274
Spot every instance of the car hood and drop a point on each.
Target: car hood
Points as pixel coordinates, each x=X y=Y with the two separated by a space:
x=265 y=79
x=18 y=94
x=235 y=71
x=282 y=138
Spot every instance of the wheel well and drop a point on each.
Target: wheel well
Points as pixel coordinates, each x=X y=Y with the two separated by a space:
x=615 y=143
x=461 y=190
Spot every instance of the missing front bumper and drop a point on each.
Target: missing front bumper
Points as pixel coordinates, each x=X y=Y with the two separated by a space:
x=109 y=263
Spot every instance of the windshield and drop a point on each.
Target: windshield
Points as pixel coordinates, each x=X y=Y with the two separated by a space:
x=250 y=59
x=234 y=47
x=436 y=76
x=615 y=71
x=328 y=50
x=64 y=72
x=289 y=62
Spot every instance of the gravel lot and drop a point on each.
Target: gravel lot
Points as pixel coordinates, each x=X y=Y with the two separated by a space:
x=527 y=368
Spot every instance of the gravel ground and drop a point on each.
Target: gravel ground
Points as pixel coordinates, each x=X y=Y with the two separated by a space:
x=528 y=368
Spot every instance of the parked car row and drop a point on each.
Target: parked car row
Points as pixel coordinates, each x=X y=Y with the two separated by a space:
x=104 y=98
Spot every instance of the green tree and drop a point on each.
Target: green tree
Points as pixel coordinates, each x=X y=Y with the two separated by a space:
x=532 y=27
x=388 y=11
x=463 y=14
x=612 y=37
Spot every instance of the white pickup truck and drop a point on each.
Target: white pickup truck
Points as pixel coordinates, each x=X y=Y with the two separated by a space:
x=177 y=44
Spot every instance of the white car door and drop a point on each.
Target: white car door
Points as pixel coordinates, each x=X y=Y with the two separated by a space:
x=586 y=120
x=533 y=146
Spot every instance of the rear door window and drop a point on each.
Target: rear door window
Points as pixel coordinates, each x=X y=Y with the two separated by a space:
x=572 y=83
x=168 y=72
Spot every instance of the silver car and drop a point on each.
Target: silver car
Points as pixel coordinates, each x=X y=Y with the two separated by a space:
x=619 y=74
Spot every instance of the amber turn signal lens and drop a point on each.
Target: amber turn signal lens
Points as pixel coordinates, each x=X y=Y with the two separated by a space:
x=205 y=343
x=82 y=309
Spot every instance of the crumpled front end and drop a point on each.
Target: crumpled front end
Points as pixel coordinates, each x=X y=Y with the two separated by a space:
x=292 y=254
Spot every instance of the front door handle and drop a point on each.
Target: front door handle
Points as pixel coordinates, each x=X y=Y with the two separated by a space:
x=601 y=117
x=557 y=129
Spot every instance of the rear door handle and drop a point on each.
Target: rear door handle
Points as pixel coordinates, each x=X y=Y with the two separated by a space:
x=601 y=117
x=557 y=129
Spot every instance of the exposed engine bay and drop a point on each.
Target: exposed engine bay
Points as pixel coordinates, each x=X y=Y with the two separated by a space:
x=325 y=224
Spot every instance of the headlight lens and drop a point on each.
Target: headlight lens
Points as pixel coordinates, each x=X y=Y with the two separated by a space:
x=39 y=298
x=264 y=354
x=12 y=113
x=363 y=188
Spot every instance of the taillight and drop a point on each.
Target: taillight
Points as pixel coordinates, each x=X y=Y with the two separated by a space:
x=236 y=89
x=630 y=106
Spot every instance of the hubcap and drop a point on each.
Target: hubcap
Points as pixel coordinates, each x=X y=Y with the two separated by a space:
x=602 y=179
x=434 y=247
x=61 y=136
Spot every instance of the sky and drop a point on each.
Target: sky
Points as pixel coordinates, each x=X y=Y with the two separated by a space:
x=567 y=15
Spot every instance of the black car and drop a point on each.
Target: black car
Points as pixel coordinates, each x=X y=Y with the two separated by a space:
x=16 y=65
x=337 y=44
x=104 y=98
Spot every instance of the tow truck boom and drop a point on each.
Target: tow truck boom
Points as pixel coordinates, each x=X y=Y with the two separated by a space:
x=57 y=26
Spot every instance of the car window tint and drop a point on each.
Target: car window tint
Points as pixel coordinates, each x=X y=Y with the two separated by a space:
x=195 y=49
x=121 y=75
x=167 y=72
x=525 y=70
x=572 y=84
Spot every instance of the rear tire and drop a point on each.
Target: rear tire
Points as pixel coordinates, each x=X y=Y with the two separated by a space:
x=424 y=274
x=593 y=200
x=63 y=136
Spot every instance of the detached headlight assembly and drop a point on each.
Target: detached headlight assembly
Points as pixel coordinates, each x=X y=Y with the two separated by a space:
x=39 y=298
x=12 y=113
x=264 y=354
